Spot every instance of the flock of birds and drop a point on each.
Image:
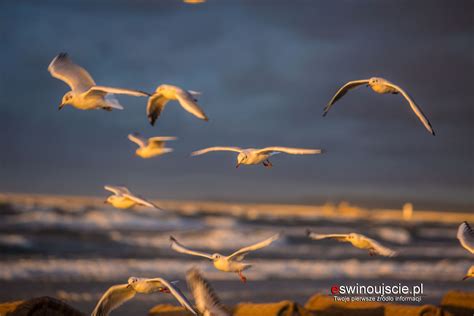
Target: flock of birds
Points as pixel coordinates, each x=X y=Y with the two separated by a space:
x=85 y=94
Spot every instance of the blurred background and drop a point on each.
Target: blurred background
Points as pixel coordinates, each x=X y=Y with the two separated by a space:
x=266 y=70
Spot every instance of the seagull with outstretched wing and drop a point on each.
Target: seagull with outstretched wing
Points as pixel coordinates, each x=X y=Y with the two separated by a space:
x=85 y=94
x=232 y=263
x=207 y=302
x=381 y=86
x=357 y=240
x=254 y=156
x=122 y=198
x=151 y=147
x=465 y=236
x=119 y=294
x=165 y=93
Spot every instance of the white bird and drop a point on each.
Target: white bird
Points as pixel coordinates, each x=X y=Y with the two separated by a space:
x=119 y=294
x=207 y=302
x=470 y=273
x=151 y=147
x=254 y=156
x=232 y=263
x=381 y=86
x=164 y=93
x=465 y=236
x=85 y=94
x=124 y=199
x=357 y=240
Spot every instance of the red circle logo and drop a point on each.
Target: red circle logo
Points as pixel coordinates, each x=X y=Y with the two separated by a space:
x=335 y=289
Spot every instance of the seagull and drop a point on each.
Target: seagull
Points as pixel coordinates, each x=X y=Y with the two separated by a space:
x=465 y=236
x=381 y=86
x=119 y=294
x=232 y=263
x=124 y=199
x=85 y=94
x=254 y=156
x=357 y=240
x=151 y=147
x=470 y=273
x=207 y=302
x=164 y=93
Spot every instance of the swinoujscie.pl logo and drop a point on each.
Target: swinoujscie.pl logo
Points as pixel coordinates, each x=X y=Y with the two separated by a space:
x=377 y=293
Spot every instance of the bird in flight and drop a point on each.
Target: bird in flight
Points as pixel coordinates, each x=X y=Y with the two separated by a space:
x=119 y=294
x=85 y=94
x=254 y=156
x=232 y=263
x=124 y=199
x=206 y=300
x=381 y=86
x=357 y=240
x=165 y=93
x=151 y=147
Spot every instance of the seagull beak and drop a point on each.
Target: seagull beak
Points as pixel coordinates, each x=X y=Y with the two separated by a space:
x=465 y=278
x=237 y=165
x=61 y=106
x=129 y=286
x=105 y=202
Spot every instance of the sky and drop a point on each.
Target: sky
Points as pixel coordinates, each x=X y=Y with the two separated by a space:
x=266 y=70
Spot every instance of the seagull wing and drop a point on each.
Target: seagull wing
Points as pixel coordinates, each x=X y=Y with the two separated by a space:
x=105 y=90
x=160 y=282
x=140 y=200
x=342 y=91
x=176 y=246
x=218 y=148
x=75 y=76
x=206 y=299
x=466 y=236
x=414 y=107
x=289 y=150
x=378 y=248
x=187 y=102
x=117 y=190
x=156 y=104
x=137 y=139
x=241 y=253
x=113 y=298
x=339 y=237
x=159 y=141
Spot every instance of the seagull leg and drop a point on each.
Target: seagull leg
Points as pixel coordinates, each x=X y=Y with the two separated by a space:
x=267 y=163
x=242 y=277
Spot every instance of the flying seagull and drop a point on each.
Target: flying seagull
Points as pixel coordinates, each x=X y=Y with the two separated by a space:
x=119 y=294
x=207 y=302
x=151 y=147
x=85 y=94
x=470 y=273
x=465 y=236
x=381 y=86
x=232 y=263
x=164 y=93
x=357 y=240
x=124 y=199
x=254 y=156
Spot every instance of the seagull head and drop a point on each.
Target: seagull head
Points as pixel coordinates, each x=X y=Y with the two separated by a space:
x=241 y=159
x=352 y=236
x=67 y=99
x=216 y=256
x=132 y=280
x=374 y=81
